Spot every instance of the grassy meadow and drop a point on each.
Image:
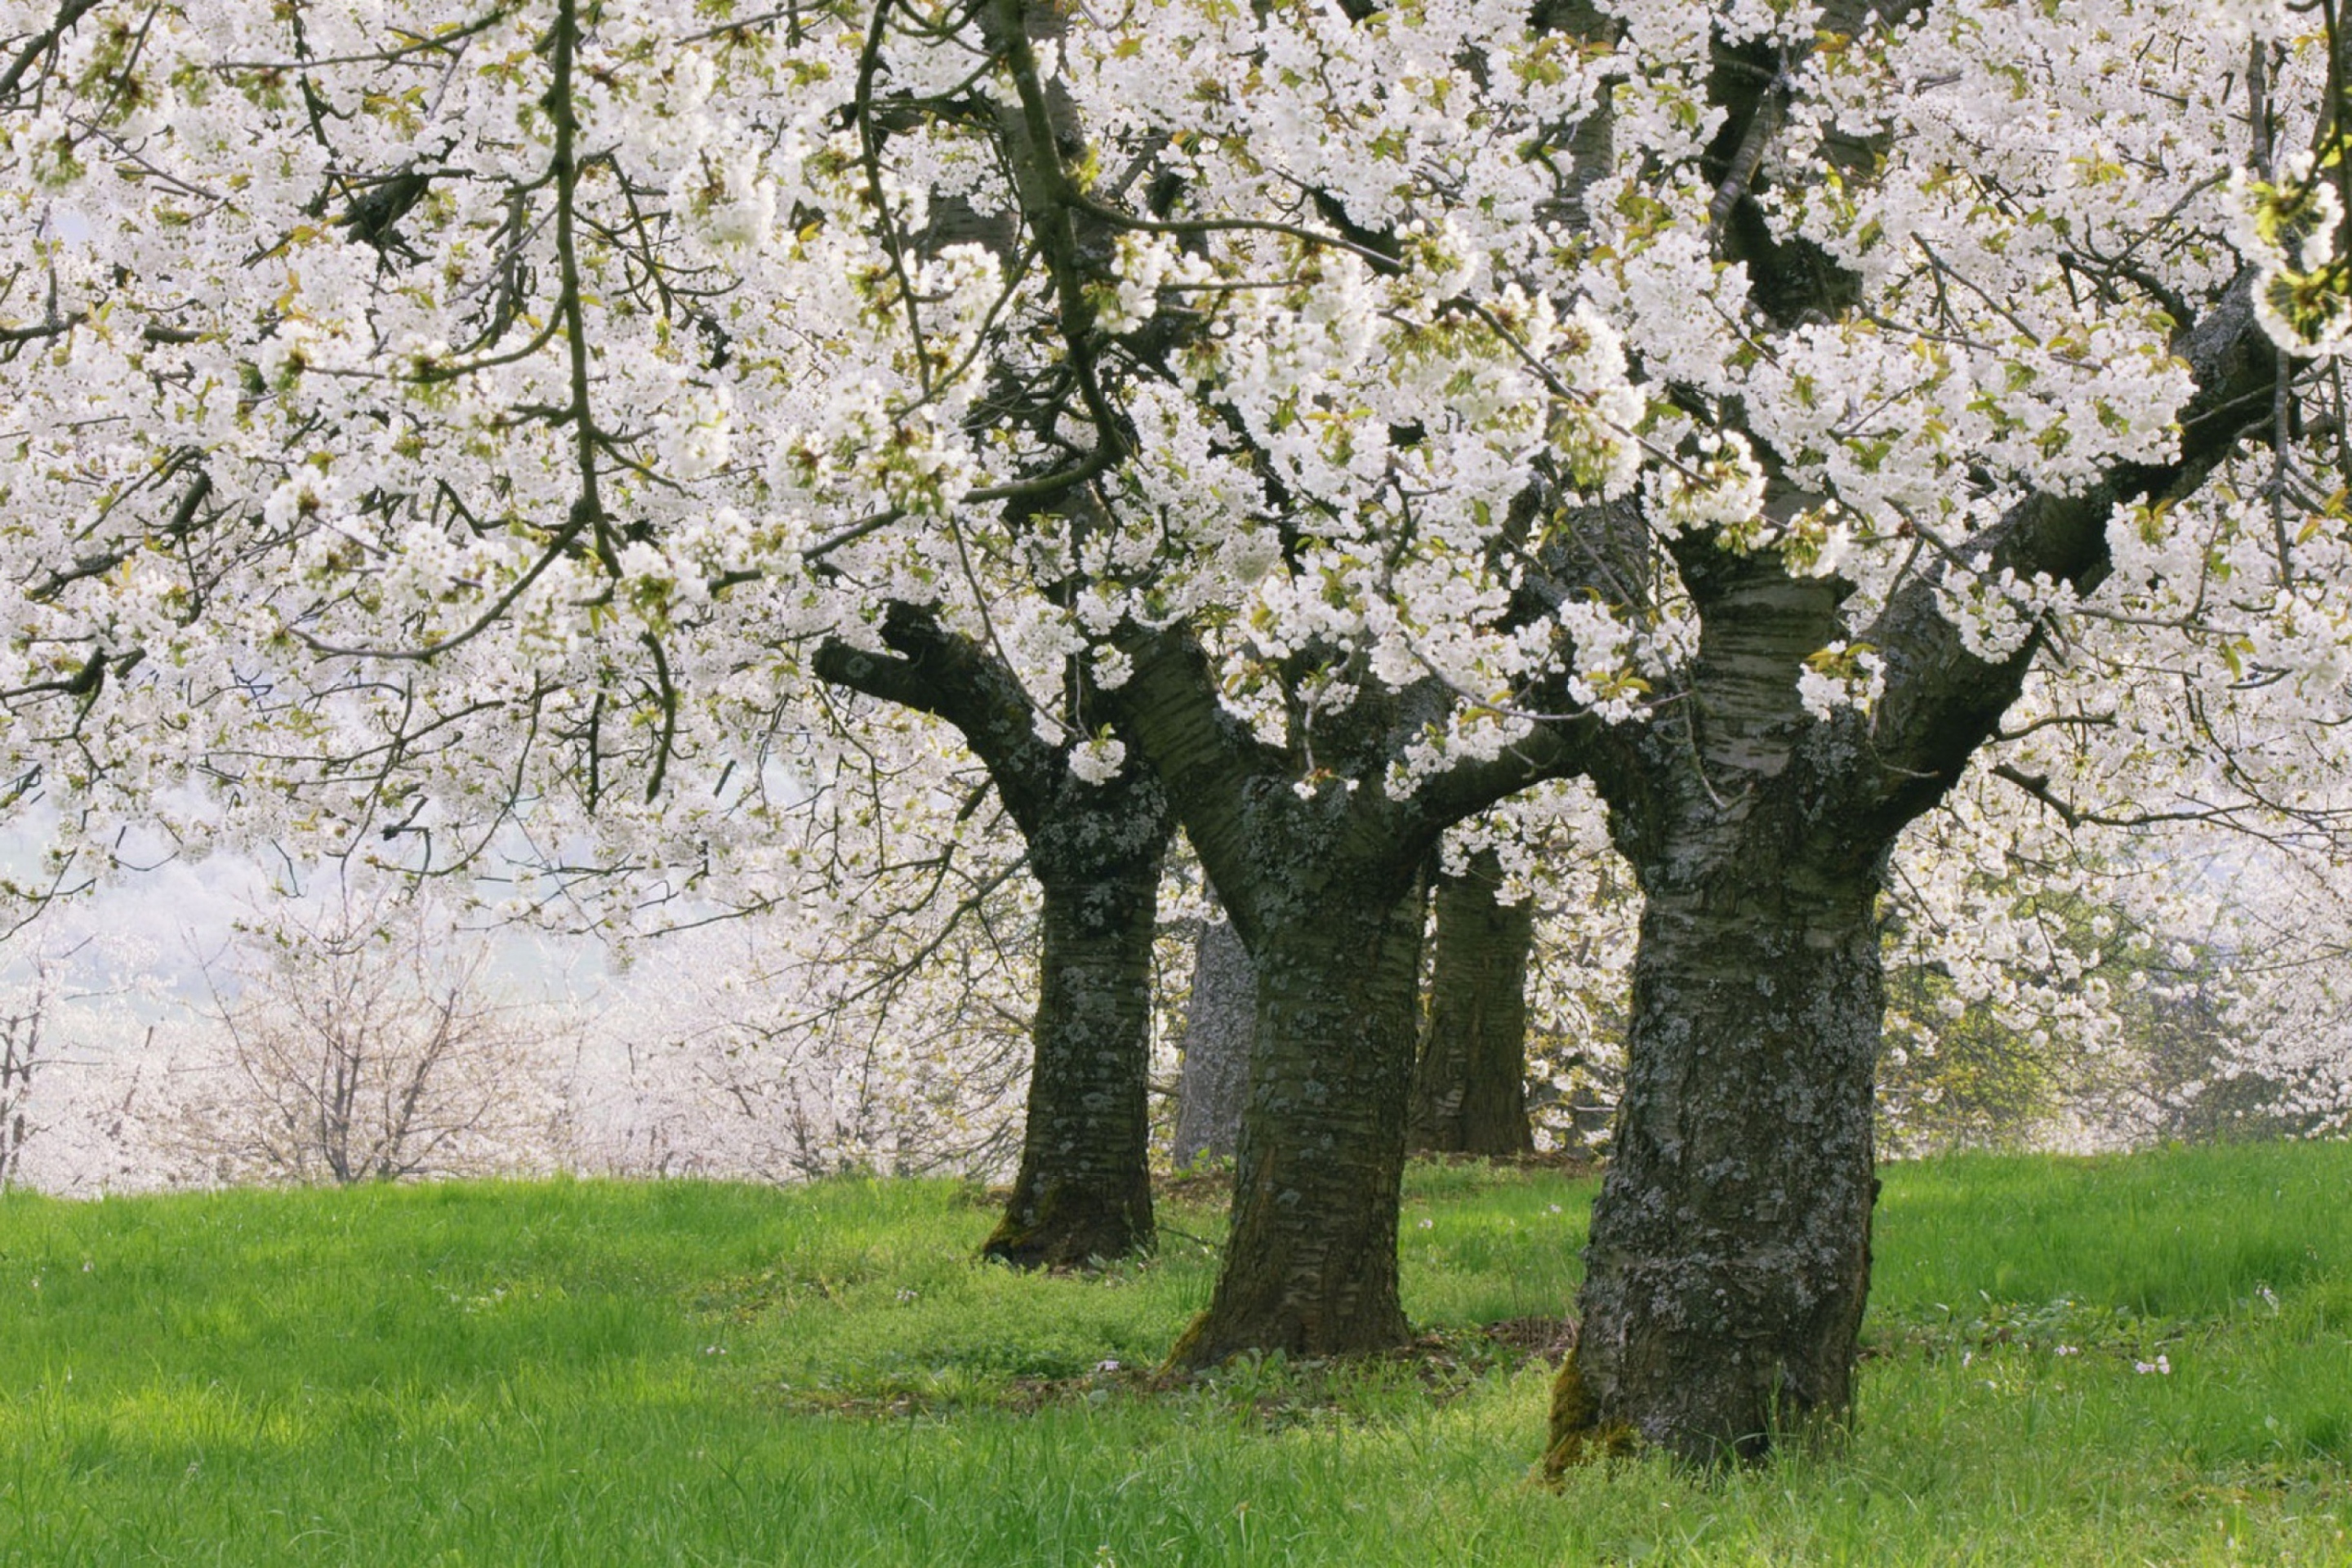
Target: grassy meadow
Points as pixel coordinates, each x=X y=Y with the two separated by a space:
x=2116 y=1361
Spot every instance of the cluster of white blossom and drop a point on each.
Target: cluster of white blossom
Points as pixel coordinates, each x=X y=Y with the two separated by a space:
x=596 y=360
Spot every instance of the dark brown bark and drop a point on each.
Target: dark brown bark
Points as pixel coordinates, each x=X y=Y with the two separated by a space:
x=1084 y=1192
x=1730 y=1247
x=1319 y=870
x=1469 y=1086
x=1311 y=1267
x=1729 y=1250
x=1730 y=1243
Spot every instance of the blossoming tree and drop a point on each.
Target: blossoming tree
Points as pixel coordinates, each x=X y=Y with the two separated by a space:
x=1349 y=414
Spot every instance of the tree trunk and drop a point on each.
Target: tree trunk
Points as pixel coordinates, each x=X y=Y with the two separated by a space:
x=1317 y=853
x=1311 y=1267
x=1084 y=1192
x=1730 y=1245
x=1218 y=1019
x=1469 y=1088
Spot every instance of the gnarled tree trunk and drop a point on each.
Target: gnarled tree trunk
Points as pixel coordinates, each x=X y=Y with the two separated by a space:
x=1729 y=1251
x=1084 y=1191
x=1311 y=1267
x=1731 y=1248
x=1317 y=853
x=1469 y=1087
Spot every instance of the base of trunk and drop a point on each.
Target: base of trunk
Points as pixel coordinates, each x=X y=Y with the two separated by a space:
x=1311 y=1267
x=1072 y=1229
x=1206 y=1343
x=1578 y=1434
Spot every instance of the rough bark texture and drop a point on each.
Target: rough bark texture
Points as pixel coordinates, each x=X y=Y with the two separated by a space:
x=1469 y=1086
x=1219 y=1019
x=1311 y=1267
x=1084 y=1191
x=1730 y=1245
x=1730 y=1249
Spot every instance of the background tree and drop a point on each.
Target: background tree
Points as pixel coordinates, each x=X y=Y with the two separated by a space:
x=1219 y=1017
x=28 y=1045
x=2245 y=1019
x=1469 y=1078
x=357 y=1044
x=776 y=1049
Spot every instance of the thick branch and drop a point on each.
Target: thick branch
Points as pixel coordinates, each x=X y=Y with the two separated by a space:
x=1209 y=760
x=949 y=676
x=1554 y=748
x=1942 y=702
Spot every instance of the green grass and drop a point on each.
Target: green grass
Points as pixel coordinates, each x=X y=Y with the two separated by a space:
x=580 y=1373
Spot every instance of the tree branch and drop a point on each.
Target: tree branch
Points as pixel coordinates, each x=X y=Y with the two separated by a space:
x=948 y=676
x=1942 y=702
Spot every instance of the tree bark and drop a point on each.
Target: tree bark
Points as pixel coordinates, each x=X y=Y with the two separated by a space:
x=1218 y=1021
x=1320 y=870
x=1311 y=1267
x=1469 y=1087
x=1730 y=1247
x=1084 y=1192
x=1730 y=1243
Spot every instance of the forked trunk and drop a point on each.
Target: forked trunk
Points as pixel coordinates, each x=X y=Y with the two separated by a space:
x=1084 y=1192
x=1469 y=1087
x=1317 y=852
x=1311 y=1267
x=1730 y=1245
